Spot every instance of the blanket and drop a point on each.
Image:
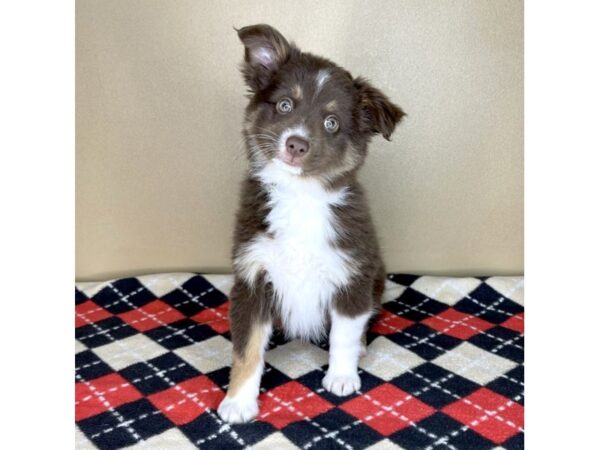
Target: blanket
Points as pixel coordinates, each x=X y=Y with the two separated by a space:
x=444 y=370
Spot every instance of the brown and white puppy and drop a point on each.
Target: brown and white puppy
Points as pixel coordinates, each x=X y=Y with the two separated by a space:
x=305 y=252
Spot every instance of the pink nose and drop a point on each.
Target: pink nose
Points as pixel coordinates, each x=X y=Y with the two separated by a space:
x=296 y=147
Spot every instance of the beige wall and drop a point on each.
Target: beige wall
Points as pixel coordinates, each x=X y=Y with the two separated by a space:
x=159 y=108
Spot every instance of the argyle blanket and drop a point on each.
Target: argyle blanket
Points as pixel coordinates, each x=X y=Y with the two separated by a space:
x=444 y=370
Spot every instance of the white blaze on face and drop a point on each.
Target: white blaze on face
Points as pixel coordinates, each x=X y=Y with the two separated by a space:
x=321 y=78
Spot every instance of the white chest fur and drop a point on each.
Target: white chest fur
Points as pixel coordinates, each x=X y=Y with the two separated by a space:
x=297 y=253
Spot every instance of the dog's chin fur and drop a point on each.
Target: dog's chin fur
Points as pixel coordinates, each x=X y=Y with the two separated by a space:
x=305 y=253
x=281 y=166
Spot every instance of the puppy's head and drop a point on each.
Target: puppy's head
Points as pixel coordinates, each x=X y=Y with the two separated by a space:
x=306 y=114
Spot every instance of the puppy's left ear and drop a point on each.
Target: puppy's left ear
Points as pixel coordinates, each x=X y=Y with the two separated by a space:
x=266 y=50
x=375 y=112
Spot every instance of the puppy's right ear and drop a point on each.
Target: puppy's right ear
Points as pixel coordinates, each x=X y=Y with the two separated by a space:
x=266 y=50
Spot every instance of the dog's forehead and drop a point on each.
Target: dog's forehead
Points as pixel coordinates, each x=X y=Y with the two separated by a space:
x=319 y=85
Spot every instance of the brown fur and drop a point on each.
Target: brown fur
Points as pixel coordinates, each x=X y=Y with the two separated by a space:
x=245 y=365
x=249 y=306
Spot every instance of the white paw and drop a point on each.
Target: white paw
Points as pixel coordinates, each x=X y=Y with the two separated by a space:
x=234 y=410
x=342 y=384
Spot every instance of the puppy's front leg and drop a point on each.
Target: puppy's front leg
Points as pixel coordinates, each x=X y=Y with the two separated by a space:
x=345 y=347
x=250 y=331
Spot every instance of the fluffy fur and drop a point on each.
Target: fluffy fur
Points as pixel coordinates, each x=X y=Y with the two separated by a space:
x=296 y=251
x=305 y=253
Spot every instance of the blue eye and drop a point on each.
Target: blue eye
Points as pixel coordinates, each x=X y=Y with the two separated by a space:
x=331 y=124
x=285 y=105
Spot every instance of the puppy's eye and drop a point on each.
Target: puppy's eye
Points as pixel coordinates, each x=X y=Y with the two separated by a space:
x=285 y=106
x=331 y=124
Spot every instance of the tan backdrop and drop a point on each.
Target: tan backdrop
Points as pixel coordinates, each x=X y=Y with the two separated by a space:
x=159 y=108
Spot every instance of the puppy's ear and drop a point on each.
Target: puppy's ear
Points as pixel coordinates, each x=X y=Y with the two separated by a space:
x=375 y=112
x=265 y=51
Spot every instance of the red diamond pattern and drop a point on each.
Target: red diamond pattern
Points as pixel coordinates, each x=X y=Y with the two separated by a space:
x=516 y=323
x=152 y=315
x=389 y=323
x=216 y=318
x=186 y=401
x=387 y=409
x=100 y=394
x=457 y=324
x=493 y=416
x=89 y=312
x=290 y=402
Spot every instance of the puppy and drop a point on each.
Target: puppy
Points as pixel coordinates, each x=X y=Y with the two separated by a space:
x=305 y=253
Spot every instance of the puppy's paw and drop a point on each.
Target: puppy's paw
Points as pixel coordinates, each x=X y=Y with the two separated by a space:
x=235 y=410
x=341 y=384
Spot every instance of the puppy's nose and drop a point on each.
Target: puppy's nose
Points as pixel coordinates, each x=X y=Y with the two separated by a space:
x=296 y=146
